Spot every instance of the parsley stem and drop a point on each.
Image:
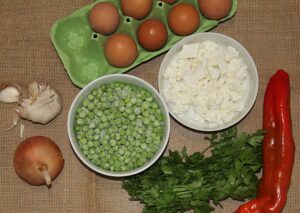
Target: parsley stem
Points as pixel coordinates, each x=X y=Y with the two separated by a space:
x=207 y=148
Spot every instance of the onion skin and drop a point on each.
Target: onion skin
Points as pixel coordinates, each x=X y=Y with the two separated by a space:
x=36 y=158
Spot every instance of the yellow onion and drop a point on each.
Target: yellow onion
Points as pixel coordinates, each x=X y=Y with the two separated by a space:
x=38 y=160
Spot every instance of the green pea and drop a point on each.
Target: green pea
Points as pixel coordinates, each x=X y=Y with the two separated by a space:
x=99 y=106
x=118 y=136
x=146 y=121
x=91 y=106
x=92 y=125
x=95 y=101
x=83 y=141
x=98 y=162
x=85 y=147
x=123 y=141
x=156 y=123
x=146 y=114
x=80 y=121
x=137 y=143
x=85 y=102
x=149 y=155
x=144 y=146
x=96 y=144
x=131 y=117
x=121 y=151
x=130 y=138
x=128 y=110
x=156 y=142
x=104 y=142
x=152 y=118
x=126 y=161
x=110 y=151
x=122 y=109
x=101 y=154
x=145 y=105
x=113 y=142
x=106 y=137
x=130 y=165
x=90 y=97
x=103 y=118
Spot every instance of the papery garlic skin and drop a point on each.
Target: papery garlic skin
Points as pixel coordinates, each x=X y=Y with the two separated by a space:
x=43 y=105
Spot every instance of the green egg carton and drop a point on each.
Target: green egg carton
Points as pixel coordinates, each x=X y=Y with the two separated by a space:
x=82 y=51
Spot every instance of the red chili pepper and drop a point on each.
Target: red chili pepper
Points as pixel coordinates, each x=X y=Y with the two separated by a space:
x=278 y=149
x=284 y=143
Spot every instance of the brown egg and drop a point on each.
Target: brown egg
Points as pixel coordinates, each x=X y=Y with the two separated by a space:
x=120 y=50
x=104 y=18
x=183 y=19
x=169 y=1
x=215 y=9
x=137 y=9
x=152 y=34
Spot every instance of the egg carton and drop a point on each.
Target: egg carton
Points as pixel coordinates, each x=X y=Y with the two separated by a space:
x=81 y=50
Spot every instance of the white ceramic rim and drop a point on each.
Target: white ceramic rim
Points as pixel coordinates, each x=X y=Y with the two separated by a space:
x=95 y=84
x=254 y=88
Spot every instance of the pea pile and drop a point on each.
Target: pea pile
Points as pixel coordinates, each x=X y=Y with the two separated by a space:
x=119 y=126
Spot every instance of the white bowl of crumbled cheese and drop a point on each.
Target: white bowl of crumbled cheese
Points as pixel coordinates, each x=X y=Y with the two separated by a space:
x=209 y=81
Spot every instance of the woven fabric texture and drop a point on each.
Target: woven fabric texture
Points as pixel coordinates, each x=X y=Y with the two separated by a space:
x=269 y=30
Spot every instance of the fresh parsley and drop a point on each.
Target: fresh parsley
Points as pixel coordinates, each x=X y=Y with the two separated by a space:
x=180 y=182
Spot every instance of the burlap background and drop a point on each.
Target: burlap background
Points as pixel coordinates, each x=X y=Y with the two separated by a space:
x=268 y=29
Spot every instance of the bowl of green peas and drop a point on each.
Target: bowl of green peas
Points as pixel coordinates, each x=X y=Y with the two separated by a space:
x=118 y=125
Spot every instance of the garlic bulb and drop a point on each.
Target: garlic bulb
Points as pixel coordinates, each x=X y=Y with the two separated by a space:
x=44 y=104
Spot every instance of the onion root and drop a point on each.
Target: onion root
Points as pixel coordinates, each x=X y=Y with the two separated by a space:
x=46 y=175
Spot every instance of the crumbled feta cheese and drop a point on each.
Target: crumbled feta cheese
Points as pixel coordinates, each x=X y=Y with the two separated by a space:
x=206 y=83
x=189 y=51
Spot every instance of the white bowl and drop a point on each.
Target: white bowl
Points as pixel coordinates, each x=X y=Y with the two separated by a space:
x=95 y=84
x=223 y=40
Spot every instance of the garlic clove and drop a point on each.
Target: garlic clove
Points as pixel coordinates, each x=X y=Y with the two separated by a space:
x=10 y=93
x=33 y=90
